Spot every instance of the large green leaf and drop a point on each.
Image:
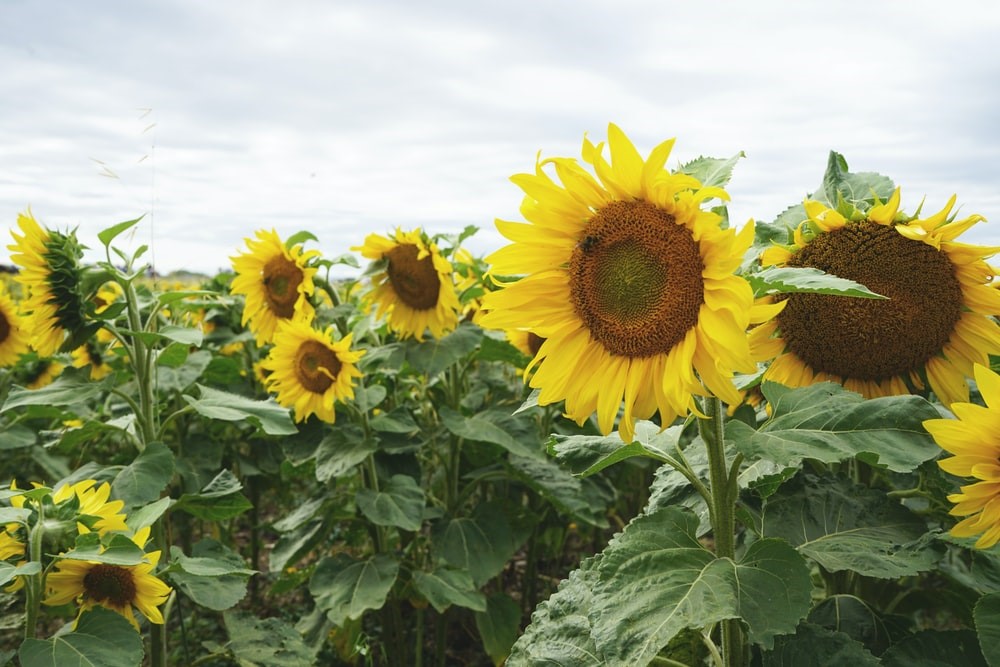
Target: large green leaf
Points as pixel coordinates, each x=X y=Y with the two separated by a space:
x=844 y=526
x=712 y=171
x=142 y=480
x=218 y=590
x=341 y=450
x=433 y=356
x=346 y=588
x=987 y=616
x=267 y=642
x=480 y=544
x=71 y=387
x=655 y=579
x=446 y=586
x=815 y=646
x=560 y=633
x=400 y=503
x=118 y=550
x=560 y=488
x=826 y=422
x=480 y=430
x=853 y=617
x=586 y=455
x=102 y=638
x=220 y=499
x=267 y=415
x=498 y=626
x=937 y=648
x=859 y=189
x=8 y=571
x=791 y=279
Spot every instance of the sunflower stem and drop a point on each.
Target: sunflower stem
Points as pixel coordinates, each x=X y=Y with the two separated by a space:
x=33 y=583
x=723 y=514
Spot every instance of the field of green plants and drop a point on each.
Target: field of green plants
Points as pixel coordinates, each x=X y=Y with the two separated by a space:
x=640 y=433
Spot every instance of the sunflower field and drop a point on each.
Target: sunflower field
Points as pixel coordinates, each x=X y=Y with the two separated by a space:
x=638 y=434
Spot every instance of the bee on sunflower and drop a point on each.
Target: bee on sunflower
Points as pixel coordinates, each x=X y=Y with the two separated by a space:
x=630 y=283
x=413 y=284
x=934 y=327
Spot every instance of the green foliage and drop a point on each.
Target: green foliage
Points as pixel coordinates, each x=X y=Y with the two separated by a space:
x=791 y=279
x=267 y=642
x=345 y=588
x=101 y=638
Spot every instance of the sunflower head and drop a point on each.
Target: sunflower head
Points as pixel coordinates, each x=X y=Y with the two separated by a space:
x=13 y=330
x=42 y=372
x=309 y=371
x=630 y=283
x=53 y=279
x=934 y=326
x=276 y=281
x=412 y=284
x=91 y=354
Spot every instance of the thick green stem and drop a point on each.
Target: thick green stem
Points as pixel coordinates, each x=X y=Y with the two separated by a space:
x=33 y=583
x=723 y=515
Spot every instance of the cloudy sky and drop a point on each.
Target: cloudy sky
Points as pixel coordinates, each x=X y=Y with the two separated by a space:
x=345 y=117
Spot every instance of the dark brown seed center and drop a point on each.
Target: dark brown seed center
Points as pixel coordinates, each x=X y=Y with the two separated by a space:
x=636 y=279
x=316 y=366
x=873 y=339
x=415 y=281
x=282 y=278
x=110 y=583
x=4 y=327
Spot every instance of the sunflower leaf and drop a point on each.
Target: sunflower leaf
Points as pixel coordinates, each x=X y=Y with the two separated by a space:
x=499 y=625
x=215 y=591
x=446 y=586
x=73 y=386
x=826 y=422
x=480 y=544
x=346 y=588
x=142 y=480
x=815 y=645
x=120 y=550
x=712 y=171
x=267 y=641
x=398 y=503
x=266 y=416
x=941 y=647
x=108 y=235
x=794 y=279
x=589 y=454
x=102 y=638
x=987 y=617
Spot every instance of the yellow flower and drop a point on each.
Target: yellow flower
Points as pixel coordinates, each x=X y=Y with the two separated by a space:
x=43 y=373
x=416 y=291
x=934 y=327
x=13 y=330
x=89 y=354
x=526 y=342
x=50 y=273
x=94 y=503
x=116 y=587
x=974 y=439
x=309 y=371
x=629 y=282
x=277 y=283
x=10 y=546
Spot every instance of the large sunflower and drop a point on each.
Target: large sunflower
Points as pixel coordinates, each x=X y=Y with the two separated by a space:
x=116 y=587
x=629 y=282
x=309 y=371
x=416 y=291
x=277 y=283
x=13 y=330
x=935 y=325
x=974 y=439
x=50 y=273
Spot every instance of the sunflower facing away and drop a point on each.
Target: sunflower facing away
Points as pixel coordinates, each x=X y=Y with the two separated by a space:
x=116 y=587
x=309 y=371
x=629 y=282
x=50 y=273
x=416 y=291
x=974 y=439
x=13 y=330
x=277 y=283
x=932 y=329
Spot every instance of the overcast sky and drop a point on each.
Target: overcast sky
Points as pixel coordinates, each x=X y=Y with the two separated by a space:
x=343 y=118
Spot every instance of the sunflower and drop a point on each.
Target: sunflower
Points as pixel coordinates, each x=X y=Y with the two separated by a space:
x=416 y=289
x=526 y=342
x=104 y=516
x=277 y=283
x=974 y=439
x=51 y=274
x=629 y=282
x=309 y=371
x=43 y=372
x=934 y=327
x=116 y=587
x=89 y=354
x=13 y=330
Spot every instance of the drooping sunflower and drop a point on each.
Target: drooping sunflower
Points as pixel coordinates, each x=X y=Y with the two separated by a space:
x=51 y=276
x=934 y=327
x=416 y=290
x=309 y=371
x=974 y=439
x=116 y=587
x=13 y=330
x=629 y=281
x=277 y=283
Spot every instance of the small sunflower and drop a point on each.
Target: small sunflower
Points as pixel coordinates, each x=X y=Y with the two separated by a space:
x=90 y=354
x=416 y=291
x=43 y=372
x=309 y=371
x=974 y=439
x=51 y=275
x=277 y=283
x=116 y=587
x=526 y=342
x=629 y=282
x=104 y=516
x=934 y=327
x=13 y=330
